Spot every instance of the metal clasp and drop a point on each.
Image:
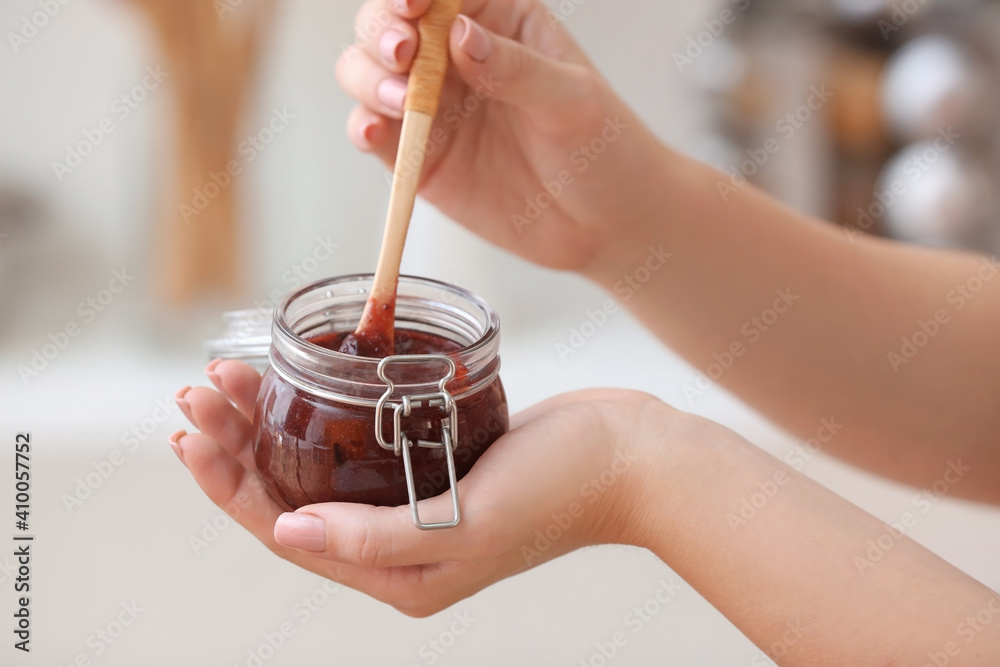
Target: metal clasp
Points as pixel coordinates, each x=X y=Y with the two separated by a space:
x=401 y=444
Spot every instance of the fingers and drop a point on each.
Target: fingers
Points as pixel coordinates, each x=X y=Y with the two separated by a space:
x=517 y=74
x=387 y=38
x=379 y=537
x=216 y=417
x=374 y=133
x=242 y=495
x=239 y=382
x=229 y=485
x=407 y=9
x=370 y=83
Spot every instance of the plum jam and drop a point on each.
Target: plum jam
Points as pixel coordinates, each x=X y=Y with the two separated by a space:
x=441 y=402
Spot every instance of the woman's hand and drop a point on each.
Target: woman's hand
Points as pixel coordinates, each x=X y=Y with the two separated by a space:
x=533 y=150
x=769 y=548
x=563 y=478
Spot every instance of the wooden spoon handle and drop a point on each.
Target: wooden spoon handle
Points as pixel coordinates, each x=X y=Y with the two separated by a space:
x=424 y=91
x=431 y=64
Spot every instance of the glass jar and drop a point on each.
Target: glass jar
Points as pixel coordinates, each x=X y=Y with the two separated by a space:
x=331 y=427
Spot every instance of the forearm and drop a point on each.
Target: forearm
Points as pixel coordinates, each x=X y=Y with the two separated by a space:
x=806 y=323
x=792 y=565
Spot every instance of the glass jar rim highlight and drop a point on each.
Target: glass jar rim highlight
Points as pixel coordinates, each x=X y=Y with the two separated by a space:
x=281 y=340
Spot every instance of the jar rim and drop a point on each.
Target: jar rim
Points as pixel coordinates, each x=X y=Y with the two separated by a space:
x=492 y=320
x=337 y=304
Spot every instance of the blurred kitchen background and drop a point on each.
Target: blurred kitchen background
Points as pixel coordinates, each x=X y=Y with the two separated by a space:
x=117 y=112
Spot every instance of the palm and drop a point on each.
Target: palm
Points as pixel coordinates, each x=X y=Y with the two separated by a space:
x=532 y=472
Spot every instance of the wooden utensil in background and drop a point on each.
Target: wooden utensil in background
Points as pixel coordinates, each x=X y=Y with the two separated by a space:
x=212 y=57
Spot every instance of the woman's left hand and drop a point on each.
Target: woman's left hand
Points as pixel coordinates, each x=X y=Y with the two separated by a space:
x=561 y=479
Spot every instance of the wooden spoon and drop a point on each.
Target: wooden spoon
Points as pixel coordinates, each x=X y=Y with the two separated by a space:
x=376 y=330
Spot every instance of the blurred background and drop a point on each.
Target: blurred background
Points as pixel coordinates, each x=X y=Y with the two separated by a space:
x=163 y=161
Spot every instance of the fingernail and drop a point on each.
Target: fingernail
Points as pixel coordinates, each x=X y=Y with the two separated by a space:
x=175 y=444
x=212 y=375
x=395 y=47
x=364 y=133
x=369 y=132
x=183 y=404
x=300 y=531
x=392 y=92
x=474 y=40
x=401 y=6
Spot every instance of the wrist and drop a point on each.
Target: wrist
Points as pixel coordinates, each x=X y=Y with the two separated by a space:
x=657 y=445
x=676 y=457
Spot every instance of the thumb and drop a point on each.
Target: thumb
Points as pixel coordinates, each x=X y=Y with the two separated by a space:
x=510 y=72
x=379 y=537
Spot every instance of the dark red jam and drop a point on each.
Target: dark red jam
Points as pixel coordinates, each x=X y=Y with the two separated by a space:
x=309 y=449
x=406 y=342
x=375 y=341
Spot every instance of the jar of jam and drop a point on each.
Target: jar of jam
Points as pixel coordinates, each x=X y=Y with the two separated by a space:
x=331 y=427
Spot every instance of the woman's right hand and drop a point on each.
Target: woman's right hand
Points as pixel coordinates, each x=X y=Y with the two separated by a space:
x=532 y=150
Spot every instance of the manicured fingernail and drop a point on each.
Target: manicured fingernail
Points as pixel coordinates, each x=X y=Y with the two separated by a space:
x=395 y=48
x=474 y=40
x=365 y=133
x=212 y=375
x=183 y=404
x=300 y=531
x=392 y=92
x=370 y=132
x=175 y=444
